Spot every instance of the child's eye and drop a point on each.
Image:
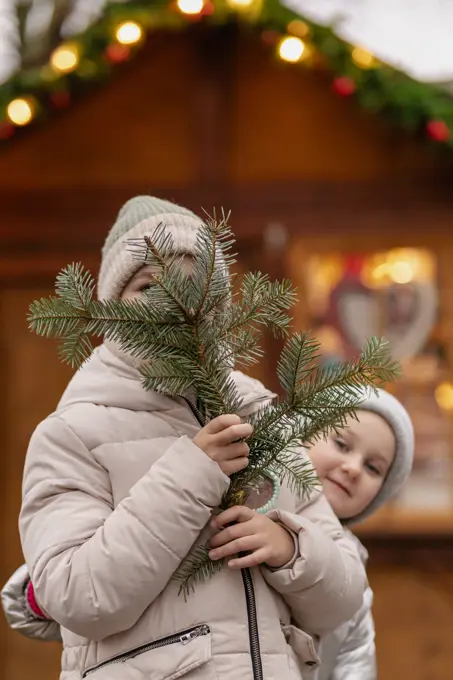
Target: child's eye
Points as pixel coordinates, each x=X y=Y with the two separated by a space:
x=373 y=469
x=341 y=444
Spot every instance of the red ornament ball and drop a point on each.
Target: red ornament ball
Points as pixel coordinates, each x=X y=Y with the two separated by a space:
x=116 y=53
x=6 y=130
x=344 y=86
x=208 y=9
x=60 y=100
x=438 y=131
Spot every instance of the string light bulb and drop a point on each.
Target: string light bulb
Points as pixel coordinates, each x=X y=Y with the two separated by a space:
x=190 y=7
x=21 y=111
x=444 y=396
x=298 y=28
x=363 y=58
x=129 y=33
x=65 y=58
x=291 y=49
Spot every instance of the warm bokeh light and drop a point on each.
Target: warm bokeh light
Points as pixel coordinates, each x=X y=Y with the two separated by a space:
x=20 y=111
x=129 y=33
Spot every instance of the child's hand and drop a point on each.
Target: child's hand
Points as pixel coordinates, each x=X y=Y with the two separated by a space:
x=219 y=440
x=253 y=533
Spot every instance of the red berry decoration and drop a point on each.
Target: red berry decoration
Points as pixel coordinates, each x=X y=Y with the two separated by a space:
x=208 y=9
x=438 y=131
x=117 y=53
x=6 y=130
x=60 y=99
x=344 y=86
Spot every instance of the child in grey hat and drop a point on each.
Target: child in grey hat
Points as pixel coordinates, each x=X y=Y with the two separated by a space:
x=360 y=468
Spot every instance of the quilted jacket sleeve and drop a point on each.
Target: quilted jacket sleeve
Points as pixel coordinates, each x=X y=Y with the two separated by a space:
x=78 y=575
x=19 y=615
x=357 y=657
x=325 y=582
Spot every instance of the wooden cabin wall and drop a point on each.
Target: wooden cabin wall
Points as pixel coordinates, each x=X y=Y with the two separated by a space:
x=206 y=120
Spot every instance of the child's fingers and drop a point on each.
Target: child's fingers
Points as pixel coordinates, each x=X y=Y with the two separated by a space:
x=240 y=545
x=231 y=533
x=238 y=513
x=247 y=561
x=237 y=450
x=229 y=467
x=221 y=423
x=232 y=433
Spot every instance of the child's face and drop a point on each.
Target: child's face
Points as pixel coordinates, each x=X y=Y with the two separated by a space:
x=143 y=278
x=353 y=465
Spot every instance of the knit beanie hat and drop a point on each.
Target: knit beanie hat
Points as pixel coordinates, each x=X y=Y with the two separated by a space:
x=394 y=413
x=137 y=218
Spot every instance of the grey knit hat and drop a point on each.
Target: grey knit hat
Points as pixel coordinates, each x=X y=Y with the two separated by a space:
x=394 y=413
x=139 y=217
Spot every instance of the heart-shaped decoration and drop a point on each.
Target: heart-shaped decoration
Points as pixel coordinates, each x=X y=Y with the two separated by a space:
x=402 y=313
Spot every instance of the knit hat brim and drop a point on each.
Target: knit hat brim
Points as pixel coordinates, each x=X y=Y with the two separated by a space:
x=119 y=264
x=394 y=413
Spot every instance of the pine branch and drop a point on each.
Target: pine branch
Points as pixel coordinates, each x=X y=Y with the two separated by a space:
x=189 y=329
x=296 y=472
x=170 y=284
x=196 y=568
x=296 y=363
x=75 y=286
x=76 y=348
x=212 y=259
x=263 y=302
x=175 y=375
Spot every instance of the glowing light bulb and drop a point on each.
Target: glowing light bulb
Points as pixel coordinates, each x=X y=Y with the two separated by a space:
x=299 y=28
x=190 y=6
x=363 y=58
x=291 y=49
x=402 y=271
x=444 y=396
x=65 y=58
x=129 y=33
x=21 y=111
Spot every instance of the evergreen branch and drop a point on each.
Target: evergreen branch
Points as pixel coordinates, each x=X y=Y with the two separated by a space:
x=190 y=329
x=75 y=286
x=206 y=245
x=263 y=303
x=158 y=250
x=153 y=250
x=175 y=375
x=242 y=349
x=217 y=391
x=297 y=362
x=196 y=568
x=76 y=348
x=296 y=472
x=53 y=317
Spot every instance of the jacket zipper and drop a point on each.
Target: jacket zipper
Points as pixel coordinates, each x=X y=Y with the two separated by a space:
x=252 y=619
x=184 y=637
x=254 y=637
x=196 y=412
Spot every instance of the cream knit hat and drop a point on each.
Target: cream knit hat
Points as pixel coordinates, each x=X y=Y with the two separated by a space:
x=394 y=413
x=139 y=217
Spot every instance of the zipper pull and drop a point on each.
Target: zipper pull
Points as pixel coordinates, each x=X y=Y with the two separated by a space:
x=196 y=632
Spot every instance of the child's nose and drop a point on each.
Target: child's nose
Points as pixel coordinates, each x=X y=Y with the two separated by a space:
x=352 y=466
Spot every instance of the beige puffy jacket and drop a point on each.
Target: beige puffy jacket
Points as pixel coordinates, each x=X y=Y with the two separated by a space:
x=115 y=494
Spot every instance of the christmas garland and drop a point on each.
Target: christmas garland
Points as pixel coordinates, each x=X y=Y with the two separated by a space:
x=31 y=95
